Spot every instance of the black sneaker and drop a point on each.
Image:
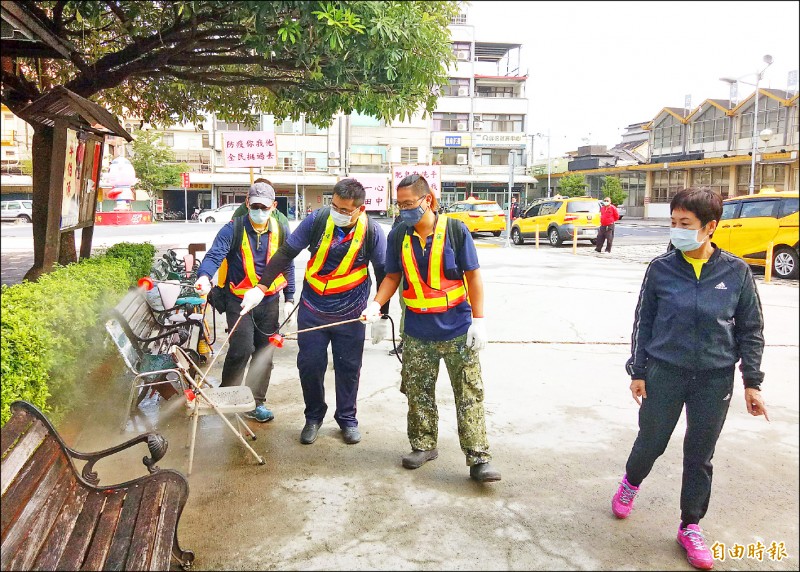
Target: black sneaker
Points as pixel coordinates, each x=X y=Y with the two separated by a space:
x=398 y=351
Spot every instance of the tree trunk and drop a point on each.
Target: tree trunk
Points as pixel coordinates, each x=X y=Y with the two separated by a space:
x=42 y=153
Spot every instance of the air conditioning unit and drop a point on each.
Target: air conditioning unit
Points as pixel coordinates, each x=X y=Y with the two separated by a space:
x=461 y=159
x=478 y=125
x=462 y=55
x=333 y=162
x=461 y=126
x=333 y=154
x=463 y=92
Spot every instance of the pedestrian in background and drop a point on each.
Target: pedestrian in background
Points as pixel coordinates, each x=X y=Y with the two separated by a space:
x=437 y=261
x=698 y=315
x=609 y=215
x=514 y=208
x=342 y=240
x=241 y=260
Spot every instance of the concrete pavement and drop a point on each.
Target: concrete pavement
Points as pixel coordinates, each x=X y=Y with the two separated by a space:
x=560 y=422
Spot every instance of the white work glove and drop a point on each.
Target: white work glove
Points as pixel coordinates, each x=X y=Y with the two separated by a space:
x=291 y=318
x=379 y=330
x=371 y=313
x=251 y=299
x=203 y=285
x=476 y=335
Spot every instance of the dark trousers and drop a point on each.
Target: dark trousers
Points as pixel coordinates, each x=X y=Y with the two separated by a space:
x=707 y=396
x=250 y=339
x=605 y=234
x=347 y=346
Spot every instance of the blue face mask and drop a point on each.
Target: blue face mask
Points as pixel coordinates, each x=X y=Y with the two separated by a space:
x=685 y=239
x=258 y=216
x=412 y=216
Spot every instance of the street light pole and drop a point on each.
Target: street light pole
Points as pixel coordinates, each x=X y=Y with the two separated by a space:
x=768 y=59
x=548 y=163
x=510 y=190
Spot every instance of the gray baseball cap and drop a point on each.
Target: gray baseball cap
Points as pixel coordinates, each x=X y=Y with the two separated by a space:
x=261 y=193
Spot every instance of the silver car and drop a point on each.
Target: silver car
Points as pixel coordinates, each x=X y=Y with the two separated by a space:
x=18 y=211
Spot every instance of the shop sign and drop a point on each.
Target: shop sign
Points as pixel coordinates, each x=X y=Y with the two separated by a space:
x=431 y=173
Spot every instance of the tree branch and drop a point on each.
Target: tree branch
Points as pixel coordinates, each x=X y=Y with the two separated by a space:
x=118 y=12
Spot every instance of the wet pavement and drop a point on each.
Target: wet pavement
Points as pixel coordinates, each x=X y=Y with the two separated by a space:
x=560 y=423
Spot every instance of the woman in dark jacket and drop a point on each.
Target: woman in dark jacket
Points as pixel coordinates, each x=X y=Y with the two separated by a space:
x=698 y=315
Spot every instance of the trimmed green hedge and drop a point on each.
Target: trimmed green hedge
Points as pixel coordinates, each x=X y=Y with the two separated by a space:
x=52 y=331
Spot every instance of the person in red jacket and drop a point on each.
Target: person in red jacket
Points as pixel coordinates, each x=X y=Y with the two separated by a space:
x=608 y=216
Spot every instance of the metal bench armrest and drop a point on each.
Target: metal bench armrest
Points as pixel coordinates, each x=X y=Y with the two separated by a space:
x=156 y=444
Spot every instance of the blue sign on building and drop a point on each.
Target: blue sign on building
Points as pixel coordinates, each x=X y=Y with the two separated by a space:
x=452 y=141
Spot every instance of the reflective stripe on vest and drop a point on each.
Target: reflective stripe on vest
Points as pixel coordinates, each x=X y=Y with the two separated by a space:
x=440 y=293
x=345 y=277
x=251 y=278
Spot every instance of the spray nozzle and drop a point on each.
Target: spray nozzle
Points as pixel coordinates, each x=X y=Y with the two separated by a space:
x=276 y=340
x=145 y=282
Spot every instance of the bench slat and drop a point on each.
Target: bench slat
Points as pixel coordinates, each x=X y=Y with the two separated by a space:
x=82 y=532
x=18 y=532
x=118 y=552
x=167 y=523
x=46 y=518
x=146 y=523
x=20 y=492
x=53 y=547
x=19 y=455
x=101 y=541
x=13 y=429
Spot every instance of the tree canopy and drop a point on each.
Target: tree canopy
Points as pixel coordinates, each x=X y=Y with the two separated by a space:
x=572 y=185
x=167 y=62
x=612 y=188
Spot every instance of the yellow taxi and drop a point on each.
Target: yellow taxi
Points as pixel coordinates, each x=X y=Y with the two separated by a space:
x=479 y=215
x=750 y=222
x=557 y=218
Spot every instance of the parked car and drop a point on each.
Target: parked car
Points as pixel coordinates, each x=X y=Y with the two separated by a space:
x=556 y=218
x=479 y=216
x=18 y=211
x=749 y=223
x=222 y=214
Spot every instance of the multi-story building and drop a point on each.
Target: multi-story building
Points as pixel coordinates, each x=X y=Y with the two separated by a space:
x=480 y=120
x=711 y=145
x=15 y=150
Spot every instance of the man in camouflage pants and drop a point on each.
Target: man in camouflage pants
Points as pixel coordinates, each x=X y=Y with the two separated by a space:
x=420 y=370
x=437 y=261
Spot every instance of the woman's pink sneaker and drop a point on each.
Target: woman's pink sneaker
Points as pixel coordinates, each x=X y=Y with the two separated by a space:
x=697 y=553
x=622 y=503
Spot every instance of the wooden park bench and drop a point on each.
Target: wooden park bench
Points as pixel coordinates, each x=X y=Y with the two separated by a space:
x=56 y=518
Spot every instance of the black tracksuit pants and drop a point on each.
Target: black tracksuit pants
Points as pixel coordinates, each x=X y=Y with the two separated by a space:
x=605 y=234
x=707 y=396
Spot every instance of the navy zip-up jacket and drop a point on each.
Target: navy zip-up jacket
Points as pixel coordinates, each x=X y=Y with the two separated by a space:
x=697 y=324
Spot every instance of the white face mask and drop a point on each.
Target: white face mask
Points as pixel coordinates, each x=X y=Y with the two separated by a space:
x=340 y=219
x=686 y=239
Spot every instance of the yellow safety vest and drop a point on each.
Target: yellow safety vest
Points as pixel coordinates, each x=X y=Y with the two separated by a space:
x=344 y=277
x=440 y=293
x=251 y=278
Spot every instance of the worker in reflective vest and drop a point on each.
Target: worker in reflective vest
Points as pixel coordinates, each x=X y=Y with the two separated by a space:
x=342 y=241
x=239 y=267
x=443 y=293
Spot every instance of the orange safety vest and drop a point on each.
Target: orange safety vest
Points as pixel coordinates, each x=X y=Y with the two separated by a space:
x=344 y=277
x=251 y=278
x=440 y=293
